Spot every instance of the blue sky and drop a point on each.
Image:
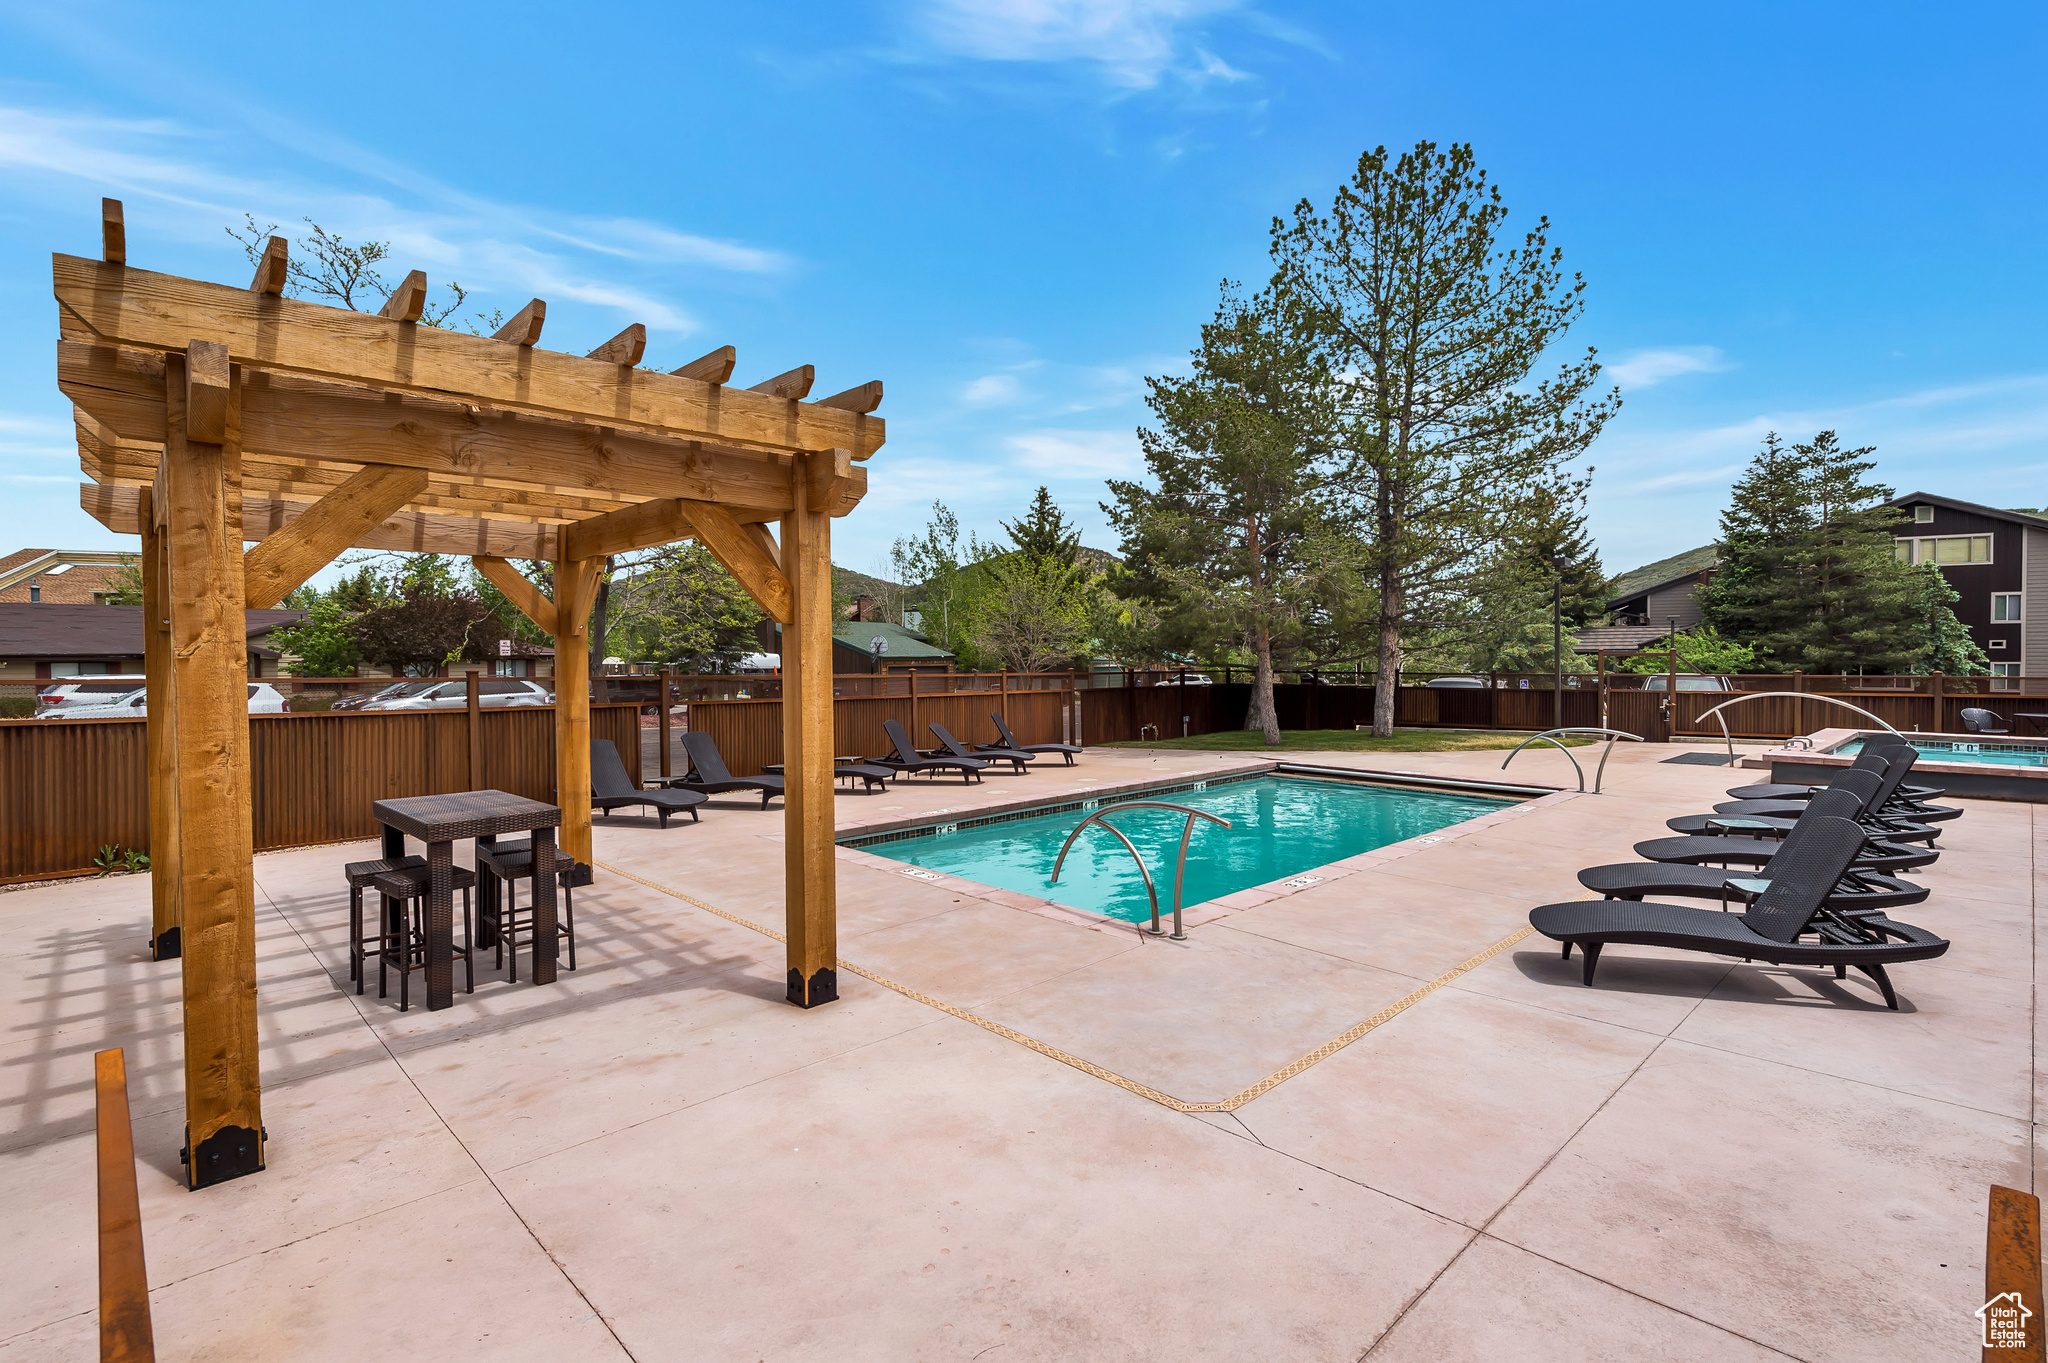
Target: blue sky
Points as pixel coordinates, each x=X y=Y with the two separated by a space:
x=1011 y=212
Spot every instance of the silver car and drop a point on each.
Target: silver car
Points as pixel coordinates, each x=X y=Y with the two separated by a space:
x=69 y=696
x=493 y=693
x=264 y=699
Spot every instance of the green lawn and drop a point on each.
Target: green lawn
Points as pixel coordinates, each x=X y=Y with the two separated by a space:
x=1348 y=740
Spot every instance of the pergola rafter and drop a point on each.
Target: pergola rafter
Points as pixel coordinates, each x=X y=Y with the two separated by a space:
x=211 y=417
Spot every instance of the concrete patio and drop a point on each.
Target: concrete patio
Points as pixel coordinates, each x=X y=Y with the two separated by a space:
x=658 y=1158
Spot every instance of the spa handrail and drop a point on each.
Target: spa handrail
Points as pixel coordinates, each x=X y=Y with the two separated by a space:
x=1599 y=772
x=1180 y=866
x=1799 y=695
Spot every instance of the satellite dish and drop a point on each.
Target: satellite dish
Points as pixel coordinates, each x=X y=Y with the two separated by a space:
x=878 y=645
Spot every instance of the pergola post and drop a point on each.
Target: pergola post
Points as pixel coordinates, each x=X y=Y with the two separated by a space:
x=160 y=745
x=810 y=887
x=575 y=581
x=209 y=670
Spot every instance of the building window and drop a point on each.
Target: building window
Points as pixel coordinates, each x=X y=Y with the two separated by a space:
x=511 y=667
x=2005 y=606
x=1923 y=514
x=1945 y=550
x=2005 y=676
x=1997 y=643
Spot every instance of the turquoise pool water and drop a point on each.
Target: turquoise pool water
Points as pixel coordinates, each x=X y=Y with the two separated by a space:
x=1990 y=752
x=1280 y=826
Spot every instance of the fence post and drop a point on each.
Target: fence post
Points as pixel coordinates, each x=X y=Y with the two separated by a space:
x=914 y=730
x=125 y=1334
x=662 y=727
x=474 y=700
x=1940 y=720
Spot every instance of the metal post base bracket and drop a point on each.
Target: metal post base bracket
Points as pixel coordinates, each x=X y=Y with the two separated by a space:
x=823 y=987
x=167 y=946
x=230 y=1152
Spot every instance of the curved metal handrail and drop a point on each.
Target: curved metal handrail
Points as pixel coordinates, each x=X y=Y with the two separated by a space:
x=1180 y=867
x=1761 y=695
x=1599 y=773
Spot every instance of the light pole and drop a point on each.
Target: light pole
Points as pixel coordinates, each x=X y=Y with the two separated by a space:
x=1557 y=642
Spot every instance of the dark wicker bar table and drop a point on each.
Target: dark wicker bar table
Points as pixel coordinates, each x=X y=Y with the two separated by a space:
x=438 y=820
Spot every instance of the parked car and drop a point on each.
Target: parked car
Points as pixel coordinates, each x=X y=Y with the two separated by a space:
x=1192 y=679
x=360 y=697
x=80 y=692
x=1688 y=681
x=493 y=693
x=264 y=699
x=1457 y=683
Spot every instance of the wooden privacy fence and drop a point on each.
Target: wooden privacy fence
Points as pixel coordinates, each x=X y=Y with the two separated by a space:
x=74 y=786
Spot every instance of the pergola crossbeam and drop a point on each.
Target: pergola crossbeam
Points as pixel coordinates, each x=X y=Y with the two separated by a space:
x=127 y=306
x=625 y=348
x=524 y=328
x=283 y=416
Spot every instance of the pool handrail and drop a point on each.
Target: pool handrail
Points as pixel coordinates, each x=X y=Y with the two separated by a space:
x=1179 y=867
x=1599 y=773
x=1797 y=695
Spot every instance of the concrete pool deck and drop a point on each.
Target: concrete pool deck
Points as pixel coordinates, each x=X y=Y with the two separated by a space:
x=657 y=1158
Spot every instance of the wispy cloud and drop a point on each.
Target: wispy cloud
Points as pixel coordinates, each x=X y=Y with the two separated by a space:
x=991 y=389
x=1077 y=454
x=1647 y=368
x=1133 y=44
x=625 y=265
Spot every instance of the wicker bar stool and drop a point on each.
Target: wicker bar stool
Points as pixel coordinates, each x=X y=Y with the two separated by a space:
x=502 y=865
x=360 y=874
x=404 y=945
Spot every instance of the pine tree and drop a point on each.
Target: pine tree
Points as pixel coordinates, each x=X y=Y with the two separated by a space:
x=1043 y=533
x=1233 y=541
x=1809 y=575
x=1430 y=323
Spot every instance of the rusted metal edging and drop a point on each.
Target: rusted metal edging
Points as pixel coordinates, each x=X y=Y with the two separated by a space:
x=2011 y=1314
x=125 y=1335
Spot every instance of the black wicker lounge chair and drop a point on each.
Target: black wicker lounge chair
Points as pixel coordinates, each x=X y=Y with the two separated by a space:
x=1788 y=924
x=611 y=788
x=867 y=773
x=1892 y=763
x=1873 y=758
x=908 y=759
x=1066 y=750
x=709 y=773
x=1843 y=800
x=1874 y=814
x=1019 y=761
x=1977 y=721
x=1874 y=746
x=1857 y=891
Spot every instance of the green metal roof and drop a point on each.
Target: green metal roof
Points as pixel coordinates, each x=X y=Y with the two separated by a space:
x=861 y=634
x=1662 y=571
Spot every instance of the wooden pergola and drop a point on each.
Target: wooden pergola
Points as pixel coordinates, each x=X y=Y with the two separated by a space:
x=212 y=417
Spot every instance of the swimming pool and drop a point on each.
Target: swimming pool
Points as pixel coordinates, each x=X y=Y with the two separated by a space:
x=1990 y=752
x=1280 y=826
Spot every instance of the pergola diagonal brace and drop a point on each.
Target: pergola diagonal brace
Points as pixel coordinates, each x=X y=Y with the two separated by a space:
x=318 y=535
x=736 y=548
x=519 y=590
